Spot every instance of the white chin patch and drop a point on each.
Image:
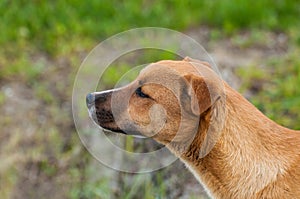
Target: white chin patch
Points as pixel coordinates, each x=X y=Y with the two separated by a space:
x=92 y=114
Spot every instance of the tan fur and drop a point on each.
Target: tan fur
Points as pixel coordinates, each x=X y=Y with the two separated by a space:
x=253 y=157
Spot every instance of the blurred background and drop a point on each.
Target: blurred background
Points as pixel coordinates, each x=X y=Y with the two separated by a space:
x=256 y=45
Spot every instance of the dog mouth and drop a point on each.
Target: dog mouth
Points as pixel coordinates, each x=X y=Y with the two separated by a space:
x=113 y=130
x=104 y=119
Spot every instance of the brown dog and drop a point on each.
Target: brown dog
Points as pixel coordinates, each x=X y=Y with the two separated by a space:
x=229 y=145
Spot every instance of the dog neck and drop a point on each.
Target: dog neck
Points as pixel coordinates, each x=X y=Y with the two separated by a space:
x=251 y=151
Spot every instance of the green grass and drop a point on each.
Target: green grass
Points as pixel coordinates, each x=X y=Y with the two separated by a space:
x=48 y=25
x=265 y=14
x=62 y=29
x=276 y=91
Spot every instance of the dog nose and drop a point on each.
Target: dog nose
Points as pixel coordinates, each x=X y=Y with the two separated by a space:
x=90 y=99
x=93 y=98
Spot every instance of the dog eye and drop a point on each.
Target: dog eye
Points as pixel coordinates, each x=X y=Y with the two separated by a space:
x=140 y=93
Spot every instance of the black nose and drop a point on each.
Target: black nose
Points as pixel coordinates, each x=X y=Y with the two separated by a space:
x=93 y=98
x=90 y=99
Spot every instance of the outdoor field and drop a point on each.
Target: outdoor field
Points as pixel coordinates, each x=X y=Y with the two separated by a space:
x=255 y=44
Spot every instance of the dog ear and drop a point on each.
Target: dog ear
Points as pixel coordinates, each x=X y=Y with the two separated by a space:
x=188 y=59
x=203 y=93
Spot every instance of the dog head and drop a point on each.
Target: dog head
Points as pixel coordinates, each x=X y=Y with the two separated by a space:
x=166 y=101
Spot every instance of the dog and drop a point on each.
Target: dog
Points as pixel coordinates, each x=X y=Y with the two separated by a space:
x=232 y=149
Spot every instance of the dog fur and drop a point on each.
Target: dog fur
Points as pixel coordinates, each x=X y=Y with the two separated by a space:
x=252 y=156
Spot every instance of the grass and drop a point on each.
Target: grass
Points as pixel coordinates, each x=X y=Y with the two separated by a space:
x=278 y=95
x=42 y=45
x=47 y=25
